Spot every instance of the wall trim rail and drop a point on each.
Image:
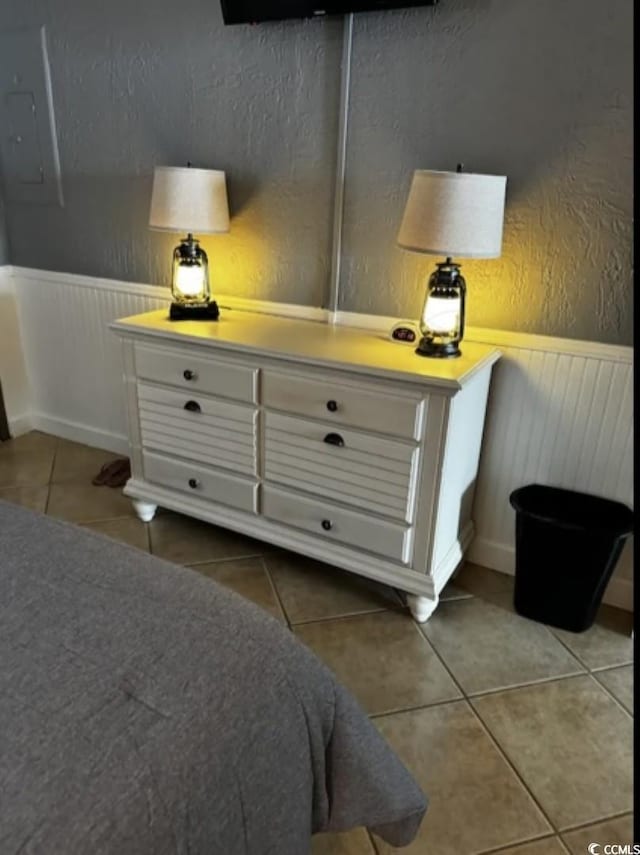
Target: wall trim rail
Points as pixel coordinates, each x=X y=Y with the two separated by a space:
x=560 y=410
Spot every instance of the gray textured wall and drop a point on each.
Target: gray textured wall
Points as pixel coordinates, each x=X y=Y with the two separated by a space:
x=144 y=82
x=539 y=91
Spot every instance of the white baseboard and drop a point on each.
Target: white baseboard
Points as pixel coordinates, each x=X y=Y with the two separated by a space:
x=20 y=424
x=502 y=557
x=496 y=556
x=619 y=593
x=79 y=433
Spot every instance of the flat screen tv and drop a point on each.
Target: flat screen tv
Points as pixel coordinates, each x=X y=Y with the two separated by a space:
x=254 y=11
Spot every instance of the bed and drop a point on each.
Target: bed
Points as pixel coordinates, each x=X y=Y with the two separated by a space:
x=145 y=709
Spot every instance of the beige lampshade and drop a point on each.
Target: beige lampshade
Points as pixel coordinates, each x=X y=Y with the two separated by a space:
x=185 y=199
x=454 y=214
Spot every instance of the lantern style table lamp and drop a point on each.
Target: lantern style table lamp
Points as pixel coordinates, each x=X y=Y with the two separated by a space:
x=452 y=214
x=185 y=199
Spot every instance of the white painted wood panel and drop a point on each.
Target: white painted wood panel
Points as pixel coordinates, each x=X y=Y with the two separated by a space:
x=391 y=414
x=73 y=361
x=368 y=471
x=371 y=472
x=207 y=430
x=214 y=455
x=215 y=411
x=220 y=433
x=358 y=446
x=384 y=538
x=334 y=488
x=458 y=475
x=201 y=481
x=561 y=419
x=370 y=503
x=13 y=372
x=332 y=474
x=382 y=469
x=194 y=374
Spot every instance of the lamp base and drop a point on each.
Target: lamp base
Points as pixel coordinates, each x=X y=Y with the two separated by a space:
x=199 y=312
x=437 y=351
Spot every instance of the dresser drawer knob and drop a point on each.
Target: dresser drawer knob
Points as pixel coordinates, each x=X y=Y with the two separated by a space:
x=332 y=406
x=327 y=525
x=189 y=375
x=194 y=483
x=193 y=407
x=334 y=439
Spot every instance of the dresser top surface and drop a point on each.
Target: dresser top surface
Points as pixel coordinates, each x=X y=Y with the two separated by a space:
x=314 y=343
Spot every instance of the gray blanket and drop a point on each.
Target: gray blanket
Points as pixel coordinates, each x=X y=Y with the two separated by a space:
x=146 y=710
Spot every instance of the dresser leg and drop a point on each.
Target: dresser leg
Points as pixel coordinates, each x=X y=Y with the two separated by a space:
x=421 y=607
x=146 y=511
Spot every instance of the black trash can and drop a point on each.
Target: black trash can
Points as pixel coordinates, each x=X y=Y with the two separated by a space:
x=567 y=547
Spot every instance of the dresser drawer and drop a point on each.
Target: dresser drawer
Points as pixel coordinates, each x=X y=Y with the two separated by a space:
x=391 y=540
x=216 y=432
x=338 y=403
x=201 y=481
x=196 y=374
x=368 y=471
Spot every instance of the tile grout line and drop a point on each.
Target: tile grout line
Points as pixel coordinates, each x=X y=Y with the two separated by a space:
x=442 y=703
x=509 y=847
x=555 y=831
x=48 y=499
x=583 y=663
x=608 y=692
x=602 y=668
x=220 y=560
x=276 y=593
x=469 y=695
x=464 y=695
x=585 y=669
x=343 y=616
x=465 y=698
x=542 y=681
x=584 y=825
x=247 y=557
x=491 y=737
x=49 y=485
x=568 y=649
x=501 y=751
x=438 y=656
x=566 y=646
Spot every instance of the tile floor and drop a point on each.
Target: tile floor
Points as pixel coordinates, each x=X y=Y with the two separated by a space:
x=520 y=734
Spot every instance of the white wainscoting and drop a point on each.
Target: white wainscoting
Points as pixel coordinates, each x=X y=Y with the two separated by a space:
x=13 y=372
x=73 y=360
x=560 y=411
x=562 y=415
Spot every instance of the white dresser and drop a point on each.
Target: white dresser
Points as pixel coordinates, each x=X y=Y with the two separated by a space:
x=327 y=440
